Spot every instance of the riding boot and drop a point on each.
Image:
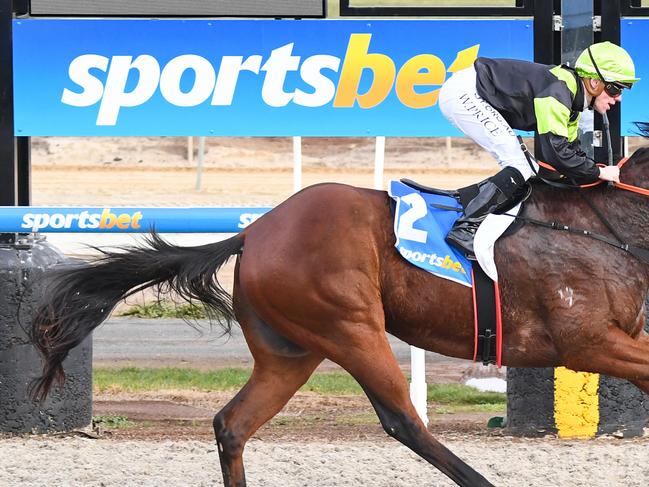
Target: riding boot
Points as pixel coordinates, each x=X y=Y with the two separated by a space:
x=496 y=194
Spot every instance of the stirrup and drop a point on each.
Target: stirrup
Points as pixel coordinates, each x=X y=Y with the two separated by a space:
x=464 y=246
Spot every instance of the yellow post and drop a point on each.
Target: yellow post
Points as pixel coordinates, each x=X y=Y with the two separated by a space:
x=576 y=403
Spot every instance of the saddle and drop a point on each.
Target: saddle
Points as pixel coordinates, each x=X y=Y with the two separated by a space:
x=516 y=225
x=452 y=193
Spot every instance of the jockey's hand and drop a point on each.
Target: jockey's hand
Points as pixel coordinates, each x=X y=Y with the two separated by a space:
x=609 y=173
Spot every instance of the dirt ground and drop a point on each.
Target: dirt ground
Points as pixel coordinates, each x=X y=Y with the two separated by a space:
x=307 y=417
x=236 y=171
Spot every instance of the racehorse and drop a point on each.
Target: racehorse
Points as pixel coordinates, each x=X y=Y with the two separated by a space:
x=319 y=277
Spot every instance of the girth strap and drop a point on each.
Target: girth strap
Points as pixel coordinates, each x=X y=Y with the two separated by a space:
x=487 y=318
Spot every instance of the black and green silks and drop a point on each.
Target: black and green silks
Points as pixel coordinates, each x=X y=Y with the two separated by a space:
x=546 y=99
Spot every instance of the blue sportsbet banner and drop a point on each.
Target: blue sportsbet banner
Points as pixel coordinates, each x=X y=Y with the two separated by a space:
x=246 y=77
x=634 y=35
x=28 y=219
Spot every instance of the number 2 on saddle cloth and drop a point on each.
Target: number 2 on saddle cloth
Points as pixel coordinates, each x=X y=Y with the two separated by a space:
x=421 y=224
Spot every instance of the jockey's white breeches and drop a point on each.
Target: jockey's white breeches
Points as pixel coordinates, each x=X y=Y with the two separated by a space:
x=463 y=107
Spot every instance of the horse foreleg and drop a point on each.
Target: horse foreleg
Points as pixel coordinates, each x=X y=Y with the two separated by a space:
x=377 y=371
x=616 y=354
x=273 y=382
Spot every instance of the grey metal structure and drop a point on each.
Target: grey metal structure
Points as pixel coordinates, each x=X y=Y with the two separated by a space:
x=21 y=279
x=180 y=8
x=432 y=8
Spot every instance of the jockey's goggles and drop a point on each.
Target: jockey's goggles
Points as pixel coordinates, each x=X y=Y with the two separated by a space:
x=612 y=88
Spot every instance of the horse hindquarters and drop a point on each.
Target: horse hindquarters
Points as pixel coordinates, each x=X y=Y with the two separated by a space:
x=318 y=284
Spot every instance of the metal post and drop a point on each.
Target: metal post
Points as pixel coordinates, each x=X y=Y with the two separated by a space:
x=611 y=16
x=418 y=386
x=297 y=163
x=199 y=166
x=546 y=40
x=8 y=161
x=190 y=150
x=529 y=391
x=577 y=35
x=24 y=167
x=379 y=162
x=23 y=144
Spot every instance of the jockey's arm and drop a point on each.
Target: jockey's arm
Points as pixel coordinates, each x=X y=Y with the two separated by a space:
x=555 y=130
x=568 y=158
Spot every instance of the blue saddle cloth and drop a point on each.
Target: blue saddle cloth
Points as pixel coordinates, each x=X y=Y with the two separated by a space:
x=420 y=229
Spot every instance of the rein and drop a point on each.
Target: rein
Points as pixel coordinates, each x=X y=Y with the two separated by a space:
x=624 y=186
x=638 y=252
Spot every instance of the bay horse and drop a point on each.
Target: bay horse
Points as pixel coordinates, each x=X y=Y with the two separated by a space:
x=319 y=277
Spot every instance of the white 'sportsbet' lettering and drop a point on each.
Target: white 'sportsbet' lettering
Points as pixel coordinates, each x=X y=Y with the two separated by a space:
x=188 y=80
x=247 y=218
x=35 y=222
x=219 y=86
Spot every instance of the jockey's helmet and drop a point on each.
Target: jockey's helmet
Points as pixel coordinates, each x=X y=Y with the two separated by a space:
x=607 y=62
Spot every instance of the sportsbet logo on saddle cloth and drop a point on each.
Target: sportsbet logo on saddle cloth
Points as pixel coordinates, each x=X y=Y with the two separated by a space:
x=421 y=222
x=420 y=229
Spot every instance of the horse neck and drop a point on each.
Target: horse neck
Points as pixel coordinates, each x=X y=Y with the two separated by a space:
x=632 y=208
x=628 y=214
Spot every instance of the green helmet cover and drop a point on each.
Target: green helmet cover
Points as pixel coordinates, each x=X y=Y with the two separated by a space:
x=613 y=62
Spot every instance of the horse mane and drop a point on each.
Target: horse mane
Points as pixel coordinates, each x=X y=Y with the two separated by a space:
x=643 y=129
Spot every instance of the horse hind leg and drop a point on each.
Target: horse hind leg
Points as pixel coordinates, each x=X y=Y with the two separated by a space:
x=271 y=385
x=378 y=373
x=361 y=347
x=280 y=369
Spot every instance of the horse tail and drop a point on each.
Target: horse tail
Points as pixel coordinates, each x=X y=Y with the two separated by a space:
x=80 y=297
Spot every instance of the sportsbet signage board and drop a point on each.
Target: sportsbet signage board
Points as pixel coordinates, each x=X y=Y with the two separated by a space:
x=89 y=77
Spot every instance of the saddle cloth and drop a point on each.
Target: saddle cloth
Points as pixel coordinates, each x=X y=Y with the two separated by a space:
x=421 y=222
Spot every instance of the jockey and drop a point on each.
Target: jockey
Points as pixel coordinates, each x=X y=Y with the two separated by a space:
x=492 y=97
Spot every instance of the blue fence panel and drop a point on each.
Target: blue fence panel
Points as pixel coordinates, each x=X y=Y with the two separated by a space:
x=87 y=77
x=28 y=219
x=635 y=32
